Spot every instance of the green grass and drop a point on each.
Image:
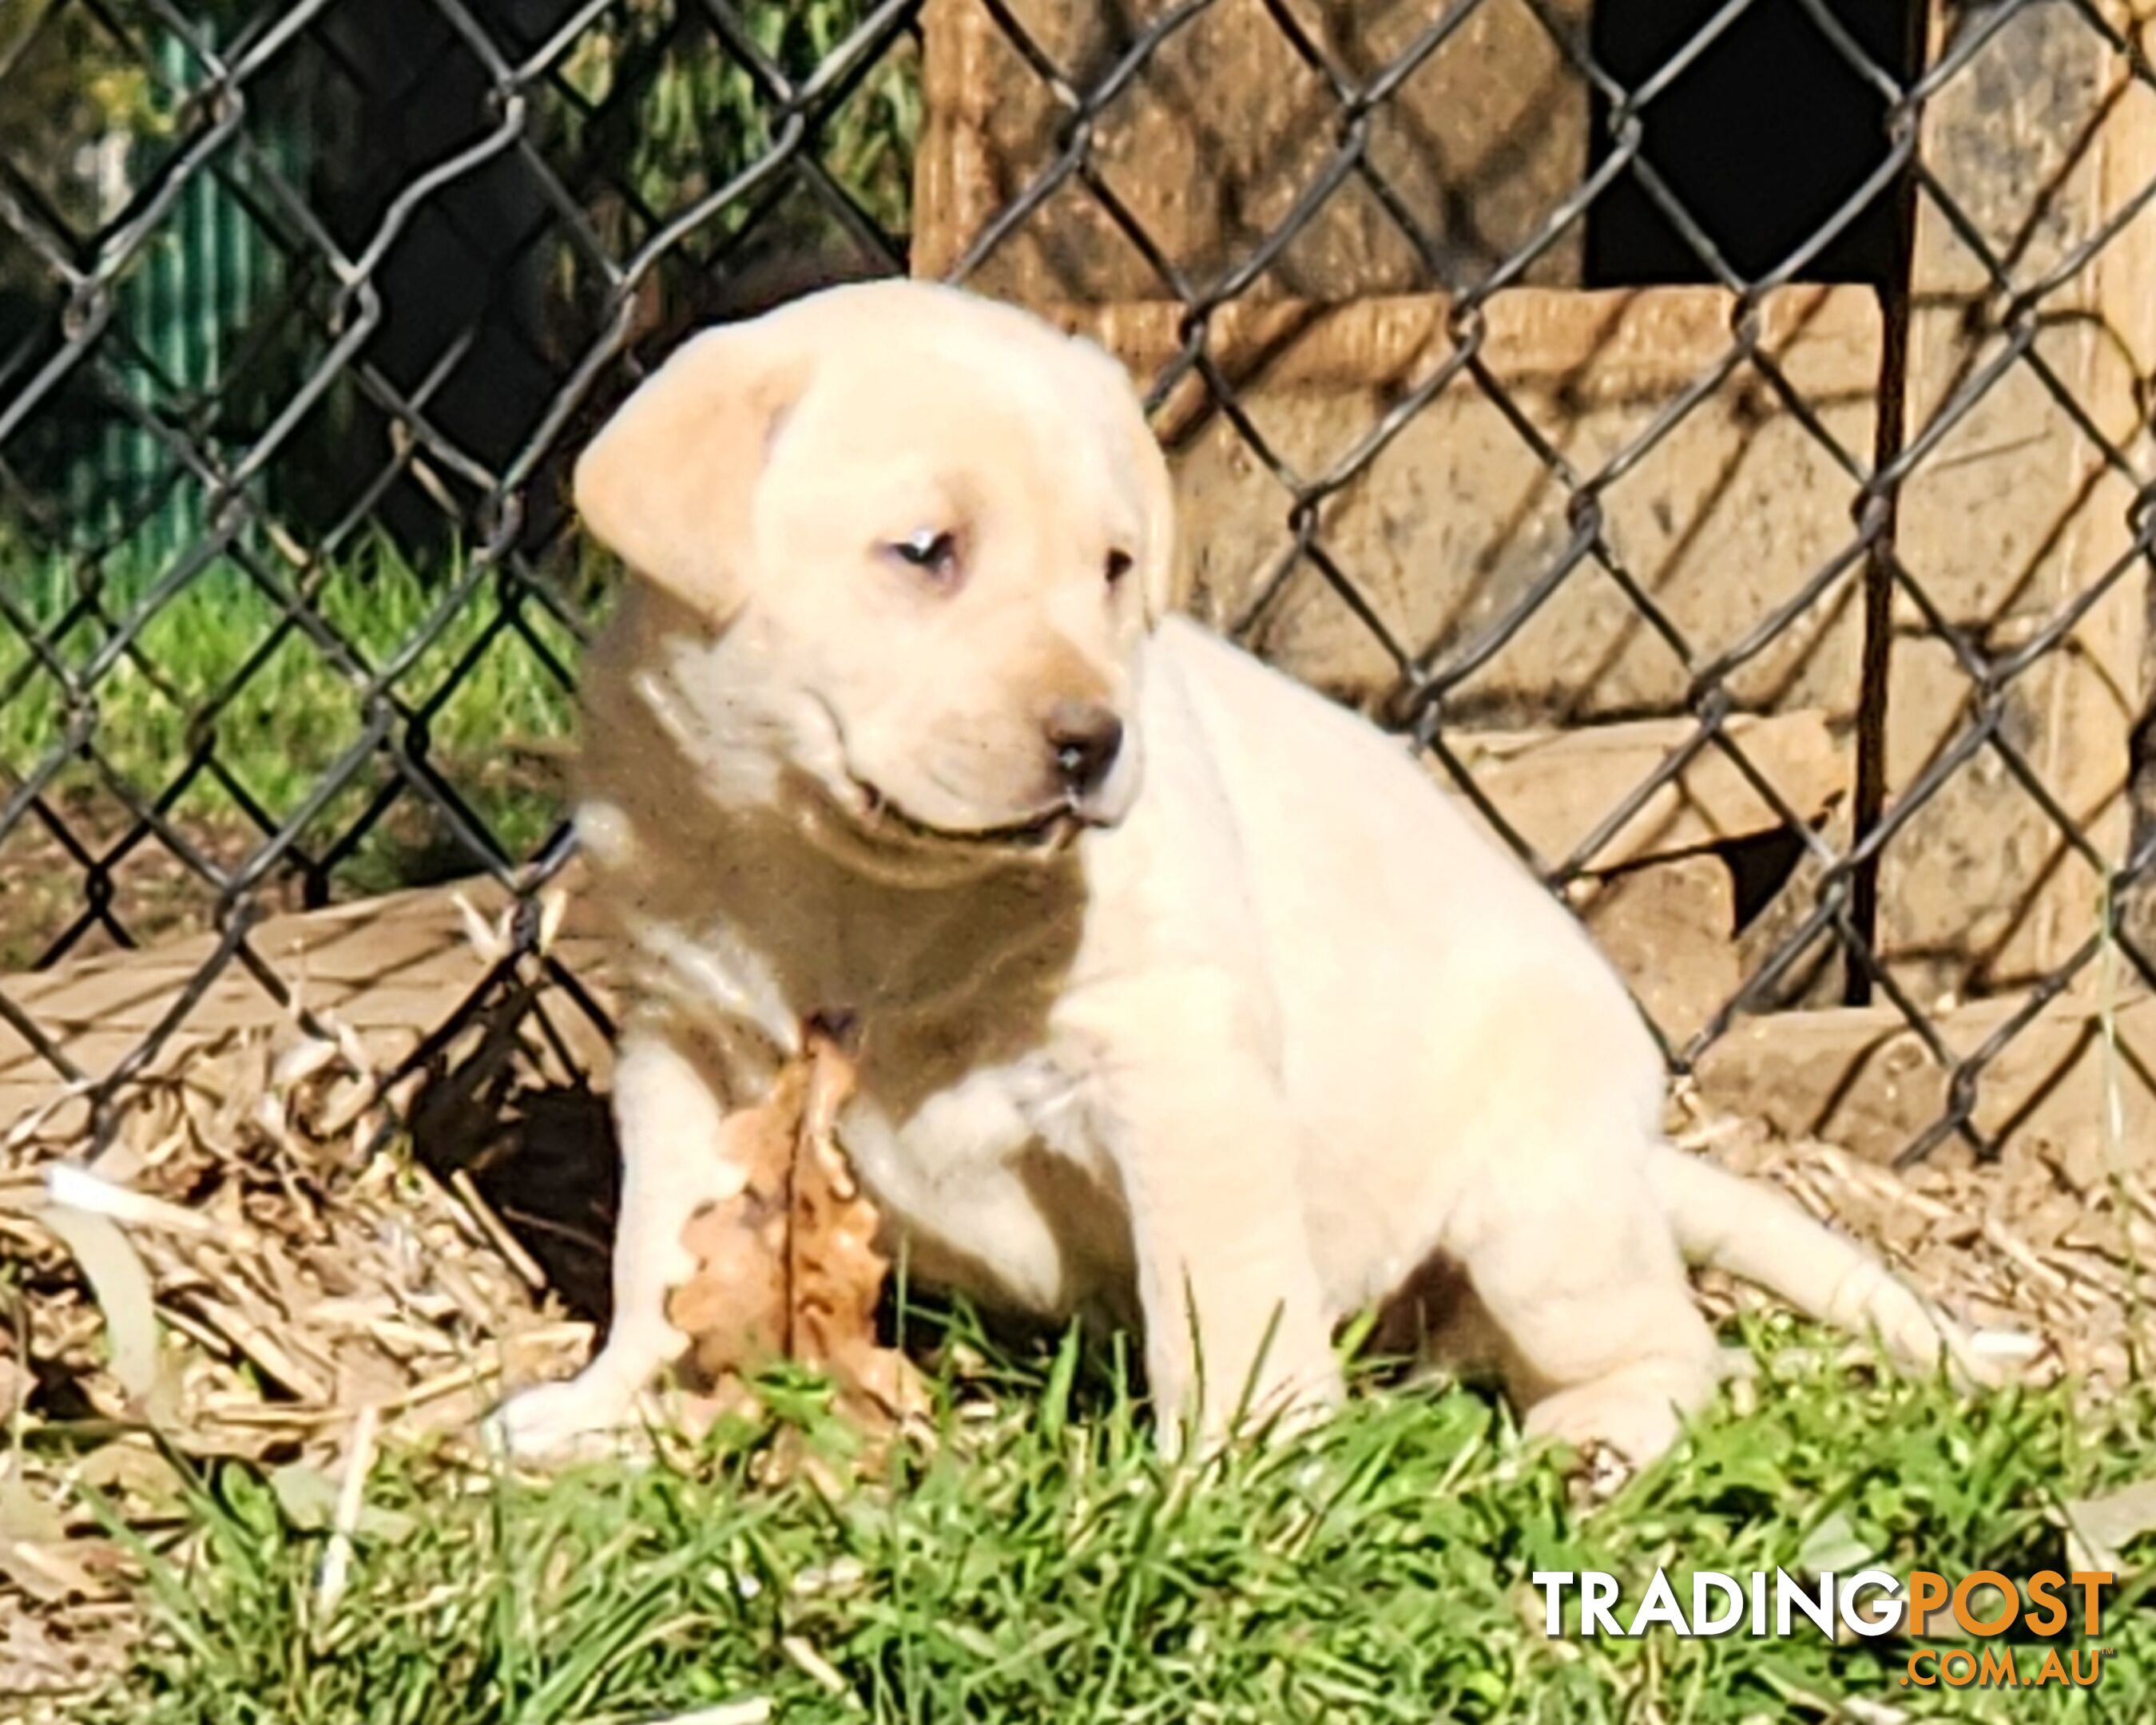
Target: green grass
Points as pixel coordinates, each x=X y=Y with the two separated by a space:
x=295 y=711
x=1041 y=1565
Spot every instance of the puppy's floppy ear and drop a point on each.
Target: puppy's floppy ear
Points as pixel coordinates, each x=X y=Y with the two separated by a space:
x=667 y=483
x=1124 y=416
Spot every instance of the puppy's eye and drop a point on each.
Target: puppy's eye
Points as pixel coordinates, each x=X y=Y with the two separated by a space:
x=1116 y=567
x=934 y=553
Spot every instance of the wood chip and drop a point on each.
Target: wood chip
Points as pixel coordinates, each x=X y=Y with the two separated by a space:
x=260 y=1346
x=496 y=1231
x=818 y=1669
x=352 y=1494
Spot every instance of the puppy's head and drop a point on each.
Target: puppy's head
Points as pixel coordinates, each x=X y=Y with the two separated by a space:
x=925 y=536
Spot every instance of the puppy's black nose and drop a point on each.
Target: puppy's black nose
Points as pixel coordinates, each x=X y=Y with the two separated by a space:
x=1085 y=737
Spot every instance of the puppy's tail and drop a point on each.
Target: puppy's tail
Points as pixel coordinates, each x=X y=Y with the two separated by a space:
x=1751 y=1231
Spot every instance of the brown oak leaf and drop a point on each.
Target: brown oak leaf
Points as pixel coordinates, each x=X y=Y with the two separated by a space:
x=788 y=1267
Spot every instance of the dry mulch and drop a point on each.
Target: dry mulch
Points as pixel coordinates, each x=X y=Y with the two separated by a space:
x=298 y=1285
x=2047 y=1255
x=256 y=1266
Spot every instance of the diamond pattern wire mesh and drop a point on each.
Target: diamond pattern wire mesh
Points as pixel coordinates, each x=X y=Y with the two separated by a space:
x=423 y=245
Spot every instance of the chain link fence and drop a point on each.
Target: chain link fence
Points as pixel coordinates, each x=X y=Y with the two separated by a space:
x=1717 y=434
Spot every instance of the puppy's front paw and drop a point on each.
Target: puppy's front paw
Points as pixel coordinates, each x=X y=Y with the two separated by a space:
x=580 y=1419
x=1636 y=1422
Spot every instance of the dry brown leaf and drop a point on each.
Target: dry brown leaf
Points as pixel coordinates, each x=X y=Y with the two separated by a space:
x=836 y=1273
x=35 y=1661
x=115 y=1273
x=2099 y=1528
x=789 y=1266
x=131 y=1467
x=42 y=1556
x=733 y=1309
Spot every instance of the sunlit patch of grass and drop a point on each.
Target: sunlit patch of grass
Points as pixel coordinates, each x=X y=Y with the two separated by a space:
x=1040 y=1564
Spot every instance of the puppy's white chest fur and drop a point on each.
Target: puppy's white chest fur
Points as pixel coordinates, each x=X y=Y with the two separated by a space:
x=1000 y=1185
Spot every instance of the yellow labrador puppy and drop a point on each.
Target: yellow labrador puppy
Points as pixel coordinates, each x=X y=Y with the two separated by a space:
x=1183 y=997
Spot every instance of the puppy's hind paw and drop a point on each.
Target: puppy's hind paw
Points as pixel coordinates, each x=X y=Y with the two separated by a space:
x=559 y=1425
